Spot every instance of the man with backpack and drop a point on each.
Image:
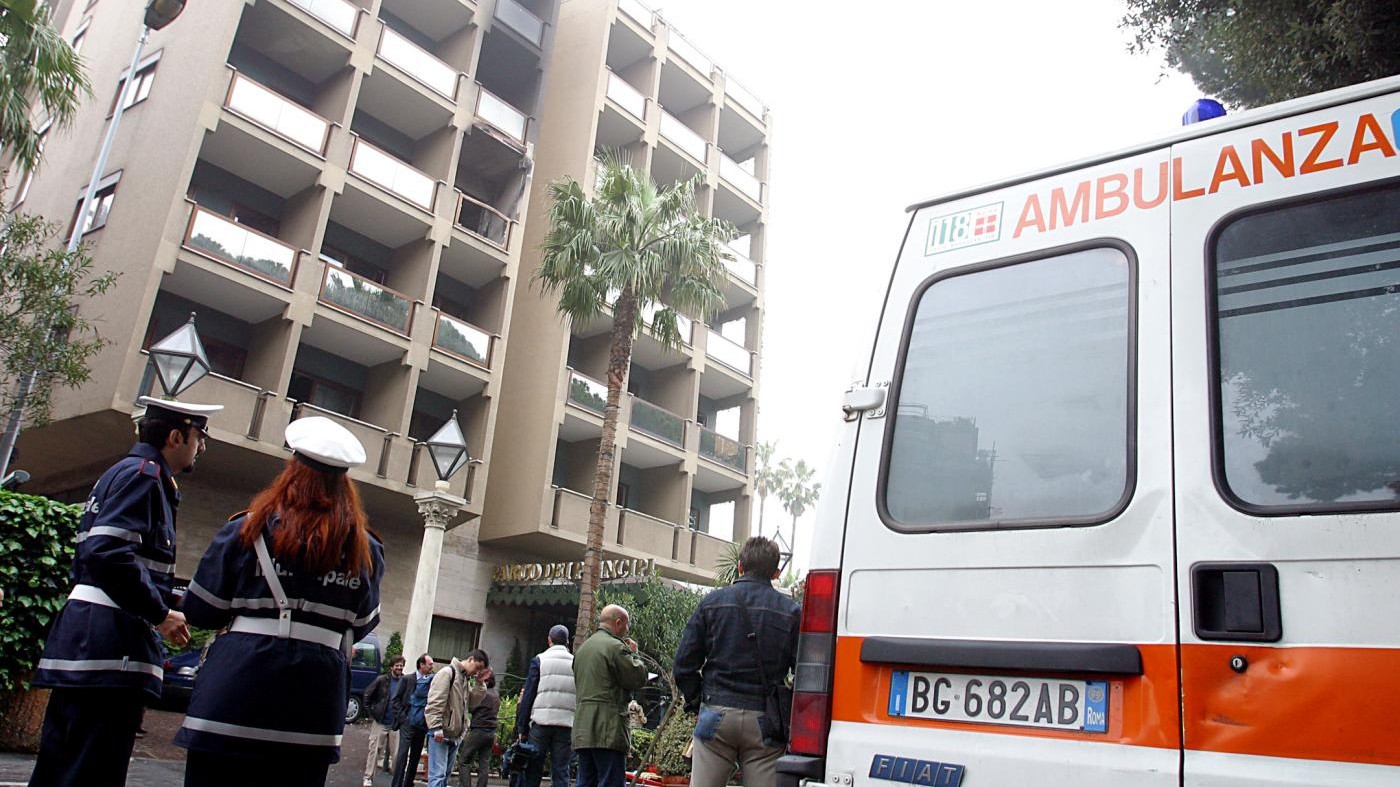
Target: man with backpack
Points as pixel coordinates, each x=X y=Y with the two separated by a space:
x=410 y=711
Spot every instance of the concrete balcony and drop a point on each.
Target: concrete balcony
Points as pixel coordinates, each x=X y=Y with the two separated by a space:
x=339 y=15
x=680 y=553
x=522 y=21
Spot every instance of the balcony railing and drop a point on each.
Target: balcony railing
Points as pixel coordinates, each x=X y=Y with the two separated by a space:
x=658 y=422
x=339 y=14
x=378 y=442
x=504 y=117
x=626 y=96
x=743 y=97
x=729 y=352
x=587 y=393
x=384 y=170
x=277 y=114
x=741 y=266
x=690 y=54
x=223 y=239
x=684 y=326
x=483 y=221
x=741 y=178
x=650 y=535
x=683 y=137
x=521 y=20
x=243 y=403
x=463 y=340
x=723 y=450
x=364 y=298
x=639 y=13
x=418 y=63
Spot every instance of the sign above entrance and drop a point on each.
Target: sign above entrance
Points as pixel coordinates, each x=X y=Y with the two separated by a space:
x=572 y=571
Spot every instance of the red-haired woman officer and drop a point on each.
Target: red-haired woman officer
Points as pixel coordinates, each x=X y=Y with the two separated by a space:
x=296 y=580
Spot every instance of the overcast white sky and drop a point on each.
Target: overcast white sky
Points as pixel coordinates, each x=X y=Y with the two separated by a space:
x=883 y=103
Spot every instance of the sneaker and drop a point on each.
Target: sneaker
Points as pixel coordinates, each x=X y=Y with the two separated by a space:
x=368 y=782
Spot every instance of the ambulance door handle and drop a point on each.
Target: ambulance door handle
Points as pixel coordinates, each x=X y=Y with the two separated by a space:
x=1236 y=602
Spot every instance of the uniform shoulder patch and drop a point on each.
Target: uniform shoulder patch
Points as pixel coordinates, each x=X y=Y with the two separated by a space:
x=150 y=468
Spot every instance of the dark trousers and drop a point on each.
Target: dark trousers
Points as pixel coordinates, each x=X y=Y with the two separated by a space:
x=410 y=751
x=600 y=768
x=87 y=737
x=477 y=744
x=207 y=769
x=554 y=741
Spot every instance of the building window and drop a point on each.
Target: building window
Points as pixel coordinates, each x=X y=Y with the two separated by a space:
x=1308 y=363
x=624 y=493
x=101 y=207
x=1014 y=400
x=145 y=77
x=323 y=394
x=452 y=638
x=80 y=36
x=28 y=179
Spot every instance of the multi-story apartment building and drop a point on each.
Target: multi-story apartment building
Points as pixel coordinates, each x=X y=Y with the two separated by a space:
x=349 y=195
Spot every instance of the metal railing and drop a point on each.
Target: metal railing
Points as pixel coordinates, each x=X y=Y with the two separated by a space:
x=224 y=240
x=683 y=137
x=741 y=266
x=658 y=422
x=382 y=169
x=729 y=352
x=743 y=97
x=463 y=340
x=626 y=96
x=639 y=13
x=690 y=54
x=276 y=113
x=339 y=14
x=521 y=20
x=417 y=62
x=745 y=181
x=484 y=221
x=684 y=325
x=586 y=392
x=723 y=450
x=494 y=111
x=369 y=435
x=353 y=293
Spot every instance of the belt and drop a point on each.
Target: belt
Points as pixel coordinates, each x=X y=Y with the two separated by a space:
x=92 y=595
x=272 y=627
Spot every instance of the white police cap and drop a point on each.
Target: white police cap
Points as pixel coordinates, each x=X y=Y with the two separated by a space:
x=186 y=413
x=324 y=444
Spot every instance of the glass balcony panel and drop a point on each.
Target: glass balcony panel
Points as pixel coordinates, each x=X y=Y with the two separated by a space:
x=639 y=13
x=682 y=136
x=503 y=116
x=626 y=96
x=285 y=117
x=724 y=450
x=683 y=323
x=587 y=392
x=418 y=63
x=246 y=248
x=658 y=422
x=741 y=266
x=730 y=170
x=690 y=54
x=384 y=170
x=336 y=13
x=366 y=298
x=484 y=221
x=463 y=338
x=521 y=20
x=729 y=353
x=743 y=97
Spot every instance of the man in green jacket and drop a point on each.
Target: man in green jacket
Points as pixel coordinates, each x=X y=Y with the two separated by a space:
x=606 y=668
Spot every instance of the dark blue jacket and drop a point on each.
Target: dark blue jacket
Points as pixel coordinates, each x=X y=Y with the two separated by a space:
x=527 y=698
x=126 y=551
x=716 y=662
x=264 y=696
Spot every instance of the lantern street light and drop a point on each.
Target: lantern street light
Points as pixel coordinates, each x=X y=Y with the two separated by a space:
x=179 y=359
x=448 y=449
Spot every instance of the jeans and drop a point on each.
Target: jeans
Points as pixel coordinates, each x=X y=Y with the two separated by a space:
x=406 y=761
x=477 y=745
x=382 y=741
x=725 y=737
x=553 y=741
x=600 y=767
x=441 y=755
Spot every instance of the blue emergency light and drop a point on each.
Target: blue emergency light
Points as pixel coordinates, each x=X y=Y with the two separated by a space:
x=1203 y=109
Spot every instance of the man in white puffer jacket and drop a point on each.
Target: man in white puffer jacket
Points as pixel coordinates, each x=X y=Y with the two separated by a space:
x=546 y=711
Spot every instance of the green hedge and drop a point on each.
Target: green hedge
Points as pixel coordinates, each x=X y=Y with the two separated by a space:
x=36 y=551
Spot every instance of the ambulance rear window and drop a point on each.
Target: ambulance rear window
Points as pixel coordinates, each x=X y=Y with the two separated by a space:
x=1014 y=405
x=1307 y=342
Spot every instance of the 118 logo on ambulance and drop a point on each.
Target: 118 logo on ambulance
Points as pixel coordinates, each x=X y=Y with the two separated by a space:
x=965 y=228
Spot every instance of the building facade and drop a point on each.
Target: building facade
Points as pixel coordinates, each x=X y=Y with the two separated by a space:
x=350 y=195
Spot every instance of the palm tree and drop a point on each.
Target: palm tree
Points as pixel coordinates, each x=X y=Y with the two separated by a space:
x=768 y=478
x=632 y=243
x=36 y=63
x=799 y=493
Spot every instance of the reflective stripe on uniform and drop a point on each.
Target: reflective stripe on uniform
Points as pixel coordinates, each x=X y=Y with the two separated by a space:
x=259 y=733
x=108 y=530
x=212 y=600
x=92 y=595
x=305 y=632
x=155 y=565
x=101 y=665
x=314 y=607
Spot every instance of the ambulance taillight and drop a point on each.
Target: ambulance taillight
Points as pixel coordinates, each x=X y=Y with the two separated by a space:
x=816 y=654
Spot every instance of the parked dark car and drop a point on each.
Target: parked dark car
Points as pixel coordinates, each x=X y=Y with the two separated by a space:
x=366 y=664
x=180 y=670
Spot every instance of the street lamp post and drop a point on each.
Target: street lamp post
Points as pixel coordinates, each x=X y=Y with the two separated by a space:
x=159 y=13
x=448 y=450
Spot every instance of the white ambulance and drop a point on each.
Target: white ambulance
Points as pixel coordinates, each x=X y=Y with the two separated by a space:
x=1119 y=499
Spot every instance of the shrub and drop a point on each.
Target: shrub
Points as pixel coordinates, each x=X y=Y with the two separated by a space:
x=395 y=648
x=671 y=742
x=36 y=551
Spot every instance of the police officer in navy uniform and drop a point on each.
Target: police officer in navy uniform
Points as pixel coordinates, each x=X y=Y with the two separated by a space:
x=296 y=580
x=103 y=658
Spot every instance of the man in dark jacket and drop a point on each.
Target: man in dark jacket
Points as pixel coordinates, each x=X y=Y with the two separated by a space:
x=481 y=733
x=383 y=737
x=410 y=708
x=734 y=633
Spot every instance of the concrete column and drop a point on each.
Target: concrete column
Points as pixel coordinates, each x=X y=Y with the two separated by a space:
x=438 y=508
